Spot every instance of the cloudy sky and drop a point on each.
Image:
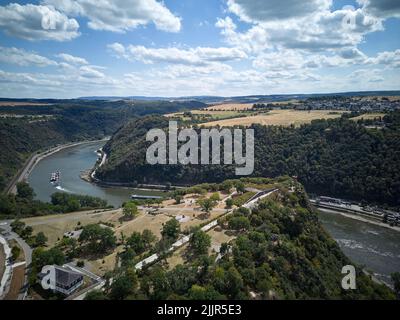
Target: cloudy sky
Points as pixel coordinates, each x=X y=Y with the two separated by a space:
x=66 y=48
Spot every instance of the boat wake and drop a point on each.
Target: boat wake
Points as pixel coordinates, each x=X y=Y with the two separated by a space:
x=63 y=189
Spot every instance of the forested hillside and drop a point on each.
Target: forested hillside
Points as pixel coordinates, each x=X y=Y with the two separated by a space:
x=279 y=251
x=25 y=129
x=332 y=157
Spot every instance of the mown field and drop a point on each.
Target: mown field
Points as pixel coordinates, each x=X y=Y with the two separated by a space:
x=208 y=115
x=278 y=118
x=370 y=116
x=230 y=107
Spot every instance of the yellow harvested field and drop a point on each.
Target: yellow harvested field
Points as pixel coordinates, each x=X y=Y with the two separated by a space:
x=278 y=118
x=279 y=103
x=54 y=226
x=231 y=106
x=221 y=114
x=369 y=116
x=245 y=106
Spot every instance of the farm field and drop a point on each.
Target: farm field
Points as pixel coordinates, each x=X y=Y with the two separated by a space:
x=209 y=115
x=278 y=118
x=218 y=114
x=245 y=106
x=369 y=116
x=230 y=107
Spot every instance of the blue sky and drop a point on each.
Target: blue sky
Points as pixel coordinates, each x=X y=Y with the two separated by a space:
x=72 y=48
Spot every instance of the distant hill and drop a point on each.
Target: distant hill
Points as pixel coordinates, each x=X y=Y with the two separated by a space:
x=207 y=99
x=245 y=99
x=204 y=99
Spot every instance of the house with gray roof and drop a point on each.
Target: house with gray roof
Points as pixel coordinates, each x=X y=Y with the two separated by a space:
x=60 y=279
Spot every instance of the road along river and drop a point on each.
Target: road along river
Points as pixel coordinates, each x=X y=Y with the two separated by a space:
x=375 y=247
x=71 y=162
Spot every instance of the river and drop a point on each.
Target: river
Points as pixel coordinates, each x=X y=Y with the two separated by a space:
x=375 y=247
x=71 y=162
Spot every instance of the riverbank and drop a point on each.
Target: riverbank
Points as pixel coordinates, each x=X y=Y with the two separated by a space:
x=86 y=176
x=89 y=176
x=34 y=159
x=360 y=218
x=73 y=164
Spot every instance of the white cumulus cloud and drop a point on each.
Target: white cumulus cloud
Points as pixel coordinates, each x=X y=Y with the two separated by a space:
x=193 y=56
x=72 y=59
x=120 y=15
x=37 y=22
x=324 y=30
x=24 y=58
x=382 y=8
x=262 y=10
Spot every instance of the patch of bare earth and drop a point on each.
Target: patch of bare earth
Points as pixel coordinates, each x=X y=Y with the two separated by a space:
x=17 y=283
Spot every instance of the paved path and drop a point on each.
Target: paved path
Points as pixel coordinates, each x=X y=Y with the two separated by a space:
x=6 y=277
x=10 y=235
x=252 y=202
